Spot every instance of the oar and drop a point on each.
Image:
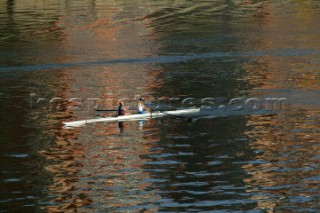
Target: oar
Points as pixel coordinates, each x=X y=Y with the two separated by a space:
x=106 y=110
x=109 y=110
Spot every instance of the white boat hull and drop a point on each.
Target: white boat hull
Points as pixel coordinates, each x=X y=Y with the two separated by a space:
x=132 y=117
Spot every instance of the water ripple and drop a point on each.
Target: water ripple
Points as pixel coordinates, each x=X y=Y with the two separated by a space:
x=233 y=56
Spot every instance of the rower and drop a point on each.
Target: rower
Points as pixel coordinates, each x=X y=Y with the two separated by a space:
x=122 y=110
x=142 y=109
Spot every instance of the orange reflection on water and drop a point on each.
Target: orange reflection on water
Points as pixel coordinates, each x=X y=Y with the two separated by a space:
x=103 y=168
x=285 y=166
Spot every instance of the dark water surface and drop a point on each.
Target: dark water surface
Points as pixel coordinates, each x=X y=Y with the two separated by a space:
x=57 y=56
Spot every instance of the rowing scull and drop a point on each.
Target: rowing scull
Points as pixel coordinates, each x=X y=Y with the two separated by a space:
x=132 y=117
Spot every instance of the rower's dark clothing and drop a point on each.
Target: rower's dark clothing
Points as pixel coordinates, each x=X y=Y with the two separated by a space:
x=120 y=111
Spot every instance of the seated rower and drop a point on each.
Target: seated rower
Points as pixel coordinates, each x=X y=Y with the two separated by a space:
x=122 y=110
x=142 y=109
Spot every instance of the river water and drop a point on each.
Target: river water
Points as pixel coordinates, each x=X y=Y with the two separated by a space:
x=60 y=59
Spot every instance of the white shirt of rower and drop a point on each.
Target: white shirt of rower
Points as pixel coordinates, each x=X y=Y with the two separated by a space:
x=140 y=109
